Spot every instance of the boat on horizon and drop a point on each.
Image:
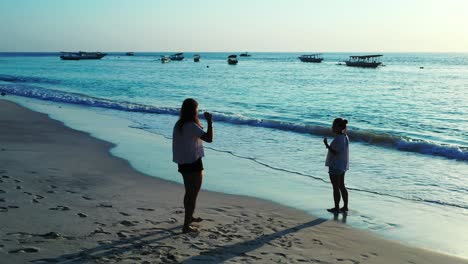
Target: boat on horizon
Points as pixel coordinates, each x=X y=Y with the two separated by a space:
x=245 y=54
x=232 y=59
x=196 y=58
x=177 y=56
x=364 y=61
x=165 y=59
x=317 y=58
x=130 y=53
x=81 y=55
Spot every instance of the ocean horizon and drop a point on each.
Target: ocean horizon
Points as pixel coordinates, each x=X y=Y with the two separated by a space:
x=407 y=126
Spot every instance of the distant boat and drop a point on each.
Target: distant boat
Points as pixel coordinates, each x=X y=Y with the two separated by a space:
x=232 y=60
x=317 y=58
x=81 y=55
x=165 y=59
x=196 y=58
x=177 y=56
x=130 y=54
x=245 y=54
x=365 y=61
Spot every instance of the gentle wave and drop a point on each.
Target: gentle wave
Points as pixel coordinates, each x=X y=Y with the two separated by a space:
x=370 y=137
x=26 y=79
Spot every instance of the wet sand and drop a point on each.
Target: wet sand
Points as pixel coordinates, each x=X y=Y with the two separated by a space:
x=65 y=199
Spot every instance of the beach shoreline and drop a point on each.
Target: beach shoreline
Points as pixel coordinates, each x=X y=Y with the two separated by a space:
x=65 y=198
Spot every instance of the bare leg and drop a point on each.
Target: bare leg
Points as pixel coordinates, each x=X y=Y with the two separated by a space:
x=344 y=193
x=336 y=192
x=192 y=183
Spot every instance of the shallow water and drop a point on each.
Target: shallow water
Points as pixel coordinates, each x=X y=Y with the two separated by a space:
x=408 y=128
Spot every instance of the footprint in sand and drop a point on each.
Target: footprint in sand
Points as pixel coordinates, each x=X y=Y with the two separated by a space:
x=39 y=197
x=86 y=197
x=145 y=209
x=353 y=261
x=28 y=193
x=18 y=181
x=99 y=230
x=317 y=242
x=13 y=207
x=2 y=191
x=60 y=208
x=24 y=250
x=35 y=201
x=127 y=223
x=104 y=205
x=82 y=215
x=2 y=200
x=5 y=176
x=3 y=209
x=19 y=187
x=124 y=214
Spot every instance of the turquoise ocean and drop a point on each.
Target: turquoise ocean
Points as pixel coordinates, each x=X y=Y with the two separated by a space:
x=408 y=126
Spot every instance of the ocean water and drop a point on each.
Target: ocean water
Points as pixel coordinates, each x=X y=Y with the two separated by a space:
x=408 y=128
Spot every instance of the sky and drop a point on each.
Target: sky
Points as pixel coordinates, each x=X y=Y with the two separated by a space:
x=234 y=25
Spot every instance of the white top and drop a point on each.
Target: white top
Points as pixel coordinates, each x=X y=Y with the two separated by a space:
x=187 y=146
x=340 y=160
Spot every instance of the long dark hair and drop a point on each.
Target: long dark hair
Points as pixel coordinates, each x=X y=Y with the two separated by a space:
x=340 y=123
x=188 y=113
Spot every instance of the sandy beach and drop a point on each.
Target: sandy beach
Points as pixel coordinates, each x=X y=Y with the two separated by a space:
x=65 y=199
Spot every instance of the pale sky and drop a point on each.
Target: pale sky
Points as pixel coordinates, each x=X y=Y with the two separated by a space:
x=235 y=25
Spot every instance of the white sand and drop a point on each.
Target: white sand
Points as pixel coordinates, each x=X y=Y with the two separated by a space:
x=64 y=199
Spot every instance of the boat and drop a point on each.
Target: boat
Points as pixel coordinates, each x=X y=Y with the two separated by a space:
x=177 y=56
x=245 y=54
x=165 y=59
x=365 y=61
x=130 y=54
x=232 y=60
x=81 y=55
x=317 y=58
x=196 y=58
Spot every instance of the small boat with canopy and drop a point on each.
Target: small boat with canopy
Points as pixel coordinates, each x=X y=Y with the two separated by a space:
x=177 y=57
x=232 y=60
x=317 y=58
x=364 y=61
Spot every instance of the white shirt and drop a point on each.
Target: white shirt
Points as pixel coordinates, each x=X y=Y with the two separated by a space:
x=339 y=160
x=187 y=146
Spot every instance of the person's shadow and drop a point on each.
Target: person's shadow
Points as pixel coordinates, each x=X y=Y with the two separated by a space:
x=226 y=252
x=222 y=253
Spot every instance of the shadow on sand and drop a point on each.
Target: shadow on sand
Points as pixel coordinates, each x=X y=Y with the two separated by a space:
x=226 y=252
x=113 y=248
x=219 y=254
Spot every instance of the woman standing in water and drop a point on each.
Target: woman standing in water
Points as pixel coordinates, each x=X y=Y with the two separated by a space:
x=187 y=152
x=338 y=163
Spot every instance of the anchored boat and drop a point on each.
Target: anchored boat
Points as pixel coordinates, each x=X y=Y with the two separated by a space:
x=232 y=60
x=317 y=58
x=364 y=61
x=177 y=56
x=81 y=55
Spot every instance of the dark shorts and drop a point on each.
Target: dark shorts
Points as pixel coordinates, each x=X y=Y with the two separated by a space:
x=191 y=167
x=335 y=172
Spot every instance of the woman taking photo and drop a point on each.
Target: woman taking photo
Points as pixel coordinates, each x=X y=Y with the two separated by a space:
x=187 y=152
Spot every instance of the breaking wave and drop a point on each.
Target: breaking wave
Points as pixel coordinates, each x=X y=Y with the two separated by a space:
x=370 y=137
